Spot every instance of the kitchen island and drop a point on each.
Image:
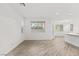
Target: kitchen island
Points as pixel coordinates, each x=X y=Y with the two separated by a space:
x=72 y=38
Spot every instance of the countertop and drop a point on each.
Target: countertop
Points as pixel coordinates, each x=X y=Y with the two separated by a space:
x=76 y=34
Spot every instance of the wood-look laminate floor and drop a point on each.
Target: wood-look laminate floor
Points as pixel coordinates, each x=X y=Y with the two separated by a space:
x=54 y=47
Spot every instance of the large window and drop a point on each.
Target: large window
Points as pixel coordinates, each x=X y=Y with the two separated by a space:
x=38 y=25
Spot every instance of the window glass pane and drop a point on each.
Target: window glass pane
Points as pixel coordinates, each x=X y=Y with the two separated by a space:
x=71 y=27
x=59 y=27
x=38 y=25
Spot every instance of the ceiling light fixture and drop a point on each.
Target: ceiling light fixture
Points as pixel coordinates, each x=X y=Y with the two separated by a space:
x=22 y=4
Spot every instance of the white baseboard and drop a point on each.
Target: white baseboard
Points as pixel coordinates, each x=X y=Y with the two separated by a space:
x=10 y=49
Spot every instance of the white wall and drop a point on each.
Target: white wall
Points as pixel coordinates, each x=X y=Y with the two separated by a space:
x=46 y=35
x=76 y=25
x=10 y=33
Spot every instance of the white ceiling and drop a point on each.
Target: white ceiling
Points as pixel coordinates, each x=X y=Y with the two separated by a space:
x=51 y=10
